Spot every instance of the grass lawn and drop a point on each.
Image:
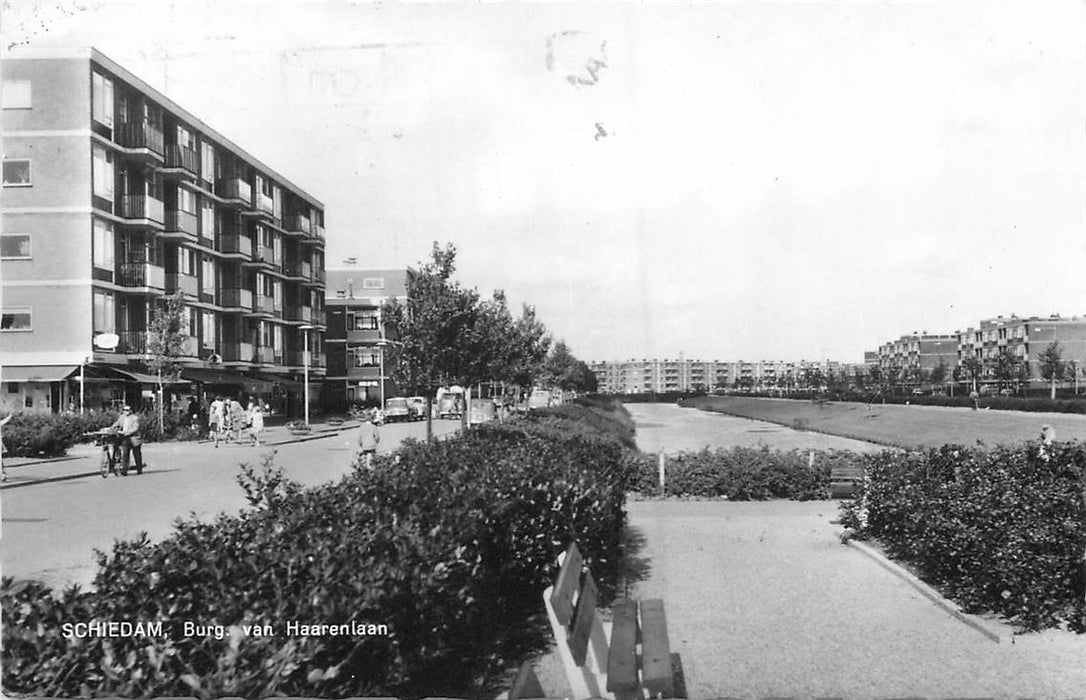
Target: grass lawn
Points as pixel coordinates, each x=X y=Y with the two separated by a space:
x=897 y=425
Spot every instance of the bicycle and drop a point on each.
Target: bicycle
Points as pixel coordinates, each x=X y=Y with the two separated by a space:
x=110 y=442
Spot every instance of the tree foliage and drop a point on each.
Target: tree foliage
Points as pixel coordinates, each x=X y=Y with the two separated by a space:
x=1052 y=365
x=167 y=337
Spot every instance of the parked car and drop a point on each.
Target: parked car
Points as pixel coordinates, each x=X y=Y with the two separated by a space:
x=417 y=404
x=397 y=409
x=450 y=403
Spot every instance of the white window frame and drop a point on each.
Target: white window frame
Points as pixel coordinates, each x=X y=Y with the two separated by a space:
x=103 y=177
x=12 y=310
x=29 y=247
x=17 y=94
x=102 y=99
x=103 y=255
x=373 y=283
x=29 y=173
x=106 y=321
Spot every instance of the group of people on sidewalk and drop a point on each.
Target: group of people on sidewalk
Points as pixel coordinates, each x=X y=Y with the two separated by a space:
x=227 y=420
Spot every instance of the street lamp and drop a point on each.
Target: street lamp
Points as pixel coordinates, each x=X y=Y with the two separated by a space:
x=305 y=368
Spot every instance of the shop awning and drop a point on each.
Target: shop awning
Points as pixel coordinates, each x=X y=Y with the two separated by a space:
x=144 y=378
x=282 y=382
x=211 y=376
x=37 y=373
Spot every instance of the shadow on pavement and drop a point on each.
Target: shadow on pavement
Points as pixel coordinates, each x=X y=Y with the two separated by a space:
x=633 y=568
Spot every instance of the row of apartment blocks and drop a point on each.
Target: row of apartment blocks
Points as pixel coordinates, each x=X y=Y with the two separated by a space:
x=1023 y=339
x=670 y=376
x=113 y=197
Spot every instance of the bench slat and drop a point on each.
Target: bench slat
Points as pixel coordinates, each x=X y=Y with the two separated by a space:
x=622 y=657
x=656 y=672
x=526 y=684
x=569 y=577
x=585 y=616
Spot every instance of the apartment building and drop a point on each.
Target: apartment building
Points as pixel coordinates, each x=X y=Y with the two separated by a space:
x=114 y=197
x=919 y=352
x=663 y=376
x=1024 y=340
x=357 y=337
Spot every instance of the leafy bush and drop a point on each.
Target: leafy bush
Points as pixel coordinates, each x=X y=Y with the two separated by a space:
x=744 y=473
x=449 y=544
x=52 y=434
x=1000 y=530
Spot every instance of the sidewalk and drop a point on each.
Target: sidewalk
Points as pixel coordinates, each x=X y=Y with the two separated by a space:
x=82 y=460
x=763 y=600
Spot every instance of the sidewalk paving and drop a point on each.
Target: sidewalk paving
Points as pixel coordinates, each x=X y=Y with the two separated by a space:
x=82 y=459
x=763 y=600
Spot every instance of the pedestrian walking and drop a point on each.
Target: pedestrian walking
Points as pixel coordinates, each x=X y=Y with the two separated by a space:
x=256 y=422
x=128 y=425
x=216 y=419
x=368 y=439
x=3 y=447
x=236 y=418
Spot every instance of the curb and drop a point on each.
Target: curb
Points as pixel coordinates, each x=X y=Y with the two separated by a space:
x=928 y=592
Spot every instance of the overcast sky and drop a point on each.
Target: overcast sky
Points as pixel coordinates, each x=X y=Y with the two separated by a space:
x=728 y=181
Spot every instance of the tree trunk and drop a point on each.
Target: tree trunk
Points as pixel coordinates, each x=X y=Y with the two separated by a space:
x=429 y=417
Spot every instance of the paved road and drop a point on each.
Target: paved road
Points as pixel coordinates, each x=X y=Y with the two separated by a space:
x=51 y=529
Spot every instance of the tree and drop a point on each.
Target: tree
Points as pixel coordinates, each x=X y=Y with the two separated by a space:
x=1052 y=365
x=1071 y=373
x=970 y=370
x=1007 y=368
x=167 y=343
x=939 y=373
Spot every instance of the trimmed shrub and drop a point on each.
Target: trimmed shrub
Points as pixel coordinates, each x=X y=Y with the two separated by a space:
x=744 y=473
x=52 y=434
x=1000 y=530
x=448 y=544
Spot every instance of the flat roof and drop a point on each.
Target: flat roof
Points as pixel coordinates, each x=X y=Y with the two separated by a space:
x=92 y=54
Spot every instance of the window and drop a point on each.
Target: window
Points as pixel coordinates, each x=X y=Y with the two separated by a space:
x=207 y=162
x=13 y=388
x=365 y=321
x=17 y=172
x=102 y=99
x=191 y=320
x=186 y=261
x=209 y=330
x=186 y=201
x=185 y=139
x=16 y=94
x=207 y=218
x=373 y=283
x=207 y=271
x=277 y=338
x=15 y=319
x=103 y=245
x=15 y=246
x=366 y=357
x=105 y=316
x=102 y=172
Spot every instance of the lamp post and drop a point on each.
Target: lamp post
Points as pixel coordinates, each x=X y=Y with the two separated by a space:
x=305 y=368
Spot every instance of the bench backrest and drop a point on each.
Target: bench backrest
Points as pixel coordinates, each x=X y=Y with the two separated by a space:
x=581 y=637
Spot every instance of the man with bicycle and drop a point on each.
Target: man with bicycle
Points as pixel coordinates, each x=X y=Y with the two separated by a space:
x=127 y=426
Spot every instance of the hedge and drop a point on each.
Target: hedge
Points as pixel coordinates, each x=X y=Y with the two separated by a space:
x=52 y=434
x=999 y=530
x=745 y=473
x=1031 y=404
x=449 y=544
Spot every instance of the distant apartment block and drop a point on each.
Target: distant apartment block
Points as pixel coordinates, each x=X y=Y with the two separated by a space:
x=357 y=337
x=921 y=352
x=113 y=197
x=665 y=376
x=1024 y=339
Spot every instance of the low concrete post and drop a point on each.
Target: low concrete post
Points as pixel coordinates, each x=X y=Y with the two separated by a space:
x=663 y=477
x=810 y=459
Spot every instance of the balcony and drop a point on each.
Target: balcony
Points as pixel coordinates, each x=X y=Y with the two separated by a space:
x=180 y=224
x=294 y=271
x=263 y=304
x=236 y=298
x=265 y=256
x=316 y=235
x=141 y=136
x=237 y=352
x=302 y=314
x=297 y=223
x=186 y=284
x=181 y=161
x=236 y=191
x=263 y=204
x=141 y=275
x=363 y=335
x=142 y=207
x=266 y=356
x=236 y=245
x=208 y=296
x=132 y=342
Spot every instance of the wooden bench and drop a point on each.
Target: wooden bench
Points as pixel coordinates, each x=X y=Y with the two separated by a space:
x=634 y=661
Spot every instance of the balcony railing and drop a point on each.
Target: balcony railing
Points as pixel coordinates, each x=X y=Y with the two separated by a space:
x=139 y=274
x=238 y=298
x=186 y=284
x=142 y=206
x=132 y=342
x=307 y=270
x=237 y=352
x=300 y=313
x=297 y=222
x=266 y=255
x=234 y=188
x=318 y=232
x=265 y=203
x=236 y=244
x=141 y=135
x=266 y=356
x=182 y=157
x=181 y=221
x=207 y=295
x=264 y=304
